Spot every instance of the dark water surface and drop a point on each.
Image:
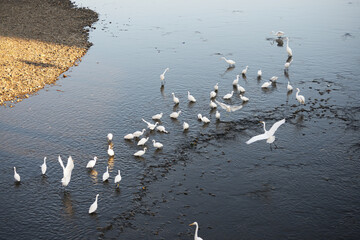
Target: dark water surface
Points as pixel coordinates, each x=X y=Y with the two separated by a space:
x=306 y=188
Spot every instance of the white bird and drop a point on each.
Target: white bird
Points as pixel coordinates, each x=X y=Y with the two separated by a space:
x=117 y=178
x=288 y=49
x=274 y=78
x=129 y=136
x=300 y=98
x=212 y=104
x=106 y=174
x=191 y=97
x=266 y=85
x=217 y=115
x=229 y=108
x=16 y=175
x=157 y=145
x=287 y=64
x=236 y=81
x=157 y=116
x=199 y=116
x=268 y=135
x=244 y=99
x=139 y=133
x=110 y=137
x=162 y=76
x=289 y=87
x=278 y=33
x=212 y=94
x=43 y=167
x=66 y=170
x=205 y=119
x=229 y=61
x=175 y=115
x=150 y=125
x=244 y=71
x=259 y=73
x=161 y=129
x=240 y=88
x=216 y=87
x=143 y=141
x=196 y=237
x=91 y=163
x=110 y=151
x=175 y=99
x=140 y=152
x=229 y=95
x=185 y=126
x=94 y=206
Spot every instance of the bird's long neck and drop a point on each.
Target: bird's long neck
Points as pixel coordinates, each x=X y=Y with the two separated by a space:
x=119 y=172
x=165 y=71
x=196 y=232
x=287 y=42
x=96 y=198
x=297 y=93
x=15 y=169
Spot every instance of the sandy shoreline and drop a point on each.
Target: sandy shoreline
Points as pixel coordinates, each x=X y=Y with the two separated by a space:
x=39 y=40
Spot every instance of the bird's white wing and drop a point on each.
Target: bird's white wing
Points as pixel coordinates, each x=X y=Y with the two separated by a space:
x=257 y=138
x=70 y=164
x=235 y=108
x=61 y=163
x=223 y=105
x=145 y=121
x=276 y=126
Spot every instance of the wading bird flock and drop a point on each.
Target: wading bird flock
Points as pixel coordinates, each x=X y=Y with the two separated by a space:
x=268 y=135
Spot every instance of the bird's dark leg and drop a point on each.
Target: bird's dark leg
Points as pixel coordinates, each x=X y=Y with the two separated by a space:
x=276 y=147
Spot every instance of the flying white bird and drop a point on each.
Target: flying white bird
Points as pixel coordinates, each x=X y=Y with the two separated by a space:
x=143 y=141
x=229 y=108
x=66 y=170
x=161 y=129
x=175 y=115
x=140 y=152
x=91 y=163
x=175 y=99
x=106 y=175
x=236 y=81
x=162 y=76
x=191 y=97
x=16 y=175
x=157 y=145
x=289 y=87
x=157 y=116
x=300 y=98
x=196 y=237
x=185 y=126
x=150 y=125
x=268 y=135
x=117 y=179
x=288 y=49
x=94 y=206
x=229 y=95
x=229 y=61
x=244 y=71
x=43 y=167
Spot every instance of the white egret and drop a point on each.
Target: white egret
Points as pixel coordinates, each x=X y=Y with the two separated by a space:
x=287 y=64
x=278 y=33
x=16 y=175
x=106 y=174
x=212 y=104
x=110 y=151
x=274 y=78
x=266 y=85
x=66 y=170
x=259 y=73
x=268 y=135
x=150 y=125
x=117 y=179
x=243 y=98
x=196 y=237
x=157 y=116
x=157 y=145
x=300 y=98
x=229 y=61
x=216 y=87
x=205 y=119
x=212 y=94
x=191 y=97
x=91 y=163
x=139 y=133
x=94 y=206
x=244 y=71
x=288 y=49
x=162 y=76
x=143 y=141
x=110 y=137
x=43 y=167
x=185 y=126
x=240 y=88
x=129 y=136
x=228 y=96
x=175 y=99
x=289 y=87
x=199 y=116
x=217 y=115
x=236 y=81
x=175 y=115
x=229 y=108
x=140 y=152
x=161 y=129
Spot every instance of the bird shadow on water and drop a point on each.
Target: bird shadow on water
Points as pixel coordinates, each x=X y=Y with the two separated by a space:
x=191 y=104
x=67 y=202
x=229 y=69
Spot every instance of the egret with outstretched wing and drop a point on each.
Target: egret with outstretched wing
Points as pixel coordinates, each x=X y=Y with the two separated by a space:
x=268 y=135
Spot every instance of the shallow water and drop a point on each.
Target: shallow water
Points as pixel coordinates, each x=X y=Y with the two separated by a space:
x=306 y=188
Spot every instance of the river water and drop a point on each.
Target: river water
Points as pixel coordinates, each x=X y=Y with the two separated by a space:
x=305 y=187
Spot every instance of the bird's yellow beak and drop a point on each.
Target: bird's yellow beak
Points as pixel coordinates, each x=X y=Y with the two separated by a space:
x=191 y=224
x=261 y=122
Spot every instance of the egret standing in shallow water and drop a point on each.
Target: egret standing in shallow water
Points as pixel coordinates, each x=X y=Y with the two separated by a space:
x=157 y=116
x=212 y=104
x=229 y=61
x=94 y=206
x=216 y=87
x=217 y=115
x=240 y=88
x=161 y=129
x=196 y=231
x=91 y=163
x=16 y=175
x=259 y=73
x=191 y=98
x=185 y=126
x=110 y=152
x=139 y=133
x=110 y=137
x=117 y=179
x=43 y=167
x=243 y=98
x=175 y=99
x=140 y=152
x=106 y=175
x=266 y=85
x=228 y=96
x=300 y=98
x=288 y=49
x=268 y=135
x=289 y=87
x=212 y=94
x=274 y=78
x=236 y=81
x=244 y=71
x=175 y=115
x=157 y=145
x=162 y=76
x=143 y=141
